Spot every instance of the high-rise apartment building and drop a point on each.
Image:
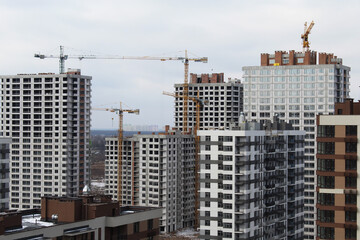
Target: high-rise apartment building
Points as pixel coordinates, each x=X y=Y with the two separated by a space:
x=47 y=116
x=223 y=101
x=296 y=87
x=251 y=182
x=157 y=171
x=337 y=172
x=4 y=173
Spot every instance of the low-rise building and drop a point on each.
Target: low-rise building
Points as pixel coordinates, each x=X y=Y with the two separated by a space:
x=84 y=217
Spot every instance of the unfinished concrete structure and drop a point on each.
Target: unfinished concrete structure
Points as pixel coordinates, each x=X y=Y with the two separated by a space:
x=223 y=101
x=47 y=116
x=158 y=171
x=4 y=173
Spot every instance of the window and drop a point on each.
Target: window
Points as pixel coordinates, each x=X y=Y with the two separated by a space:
x=350 y=233
x=327 y=147
x=351 y=147
x=350 y=164
x=326 y=131
x=325 y=232
x=350 y=182
x=326 y=215
x=136 y=227
x=351 y=130
x=350 y=199
x=327 y=165
x=326 y=181
x=350 y=216
x=327 y=199
x=150 y=224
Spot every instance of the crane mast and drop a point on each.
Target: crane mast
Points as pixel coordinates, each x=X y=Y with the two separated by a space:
x=119 y=111
x=186 y=93
x=199 y=104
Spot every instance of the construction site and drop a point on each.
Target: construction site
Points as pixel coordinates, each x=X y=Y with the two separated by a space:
x=244 y=147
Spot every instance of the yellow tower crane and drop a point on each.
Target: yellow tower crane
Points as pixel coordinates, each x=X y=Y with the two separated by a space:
x=119 y=111
x=305 y=36
x=62 y=57
x=199 y=104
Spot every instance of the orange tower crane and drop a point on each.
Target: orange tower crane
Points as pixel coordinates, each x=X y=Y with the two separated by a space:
x=305 y=36
x=119 y=111
x=62 y=57
x=199 y=104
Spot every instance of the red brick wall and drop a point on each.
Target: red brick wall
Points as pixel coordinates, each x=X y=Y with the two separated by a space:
x=67 y=210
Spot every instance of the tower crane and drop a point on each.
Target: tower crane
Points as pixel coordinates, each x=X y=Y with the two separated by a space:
x=119 y=111
x=62 y=57
x=199 y=104
x=305 y=36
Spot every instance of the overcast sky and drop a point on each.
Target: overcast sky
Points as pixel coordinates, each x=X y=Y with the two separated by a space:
x=232 y=34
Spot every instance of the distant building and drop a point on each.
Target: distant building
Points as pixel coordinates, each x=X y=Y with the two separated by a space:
x=47 y=116
x=296 y=86
x=158 y=171
x=337 y=172
x=224 y=101
x=252 y=182
x=84 y=217
x=4 y=173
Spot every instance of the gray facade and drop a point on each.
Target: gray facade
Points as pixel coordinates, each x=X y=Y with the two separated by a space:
x=251 y=183
x=297 y=93
x=48 y=118
x=158 y=171
x=223 y=107
x=4 y=173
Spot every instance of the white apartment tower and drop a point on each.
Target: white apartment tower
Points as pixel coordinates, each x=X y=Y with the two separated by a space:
x=251 y=182
x=223 y=101
x=295 y=87
x=4 y=173
x=158 y=171
x=47 y=116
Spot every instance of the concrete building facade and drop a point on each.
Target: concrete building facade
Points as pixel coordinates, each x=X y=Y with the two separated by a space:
x=47 y=116
x=158 y=171
x=251 y=182
x=296 y=88
x=337 y=173
x=4 y=173
x=223 y=101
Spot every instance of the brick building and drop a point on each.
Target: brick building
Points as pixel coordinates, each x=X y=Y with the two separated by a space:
x=337 y=172
x=84 y=217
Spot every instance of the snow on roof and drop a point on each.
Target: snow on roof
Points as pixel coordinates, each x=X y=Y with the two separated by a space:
x=33 y=220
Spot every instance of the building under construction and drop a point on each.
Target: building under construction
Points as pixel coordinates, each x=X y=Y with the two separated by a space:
x=223 y=101
x=157 y=171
